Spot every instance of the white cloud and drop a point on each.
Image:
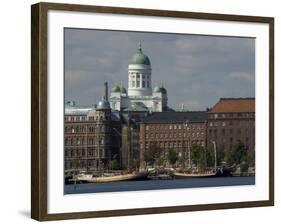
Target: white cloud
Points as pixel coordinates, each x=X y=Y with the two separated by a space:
x=243 y=76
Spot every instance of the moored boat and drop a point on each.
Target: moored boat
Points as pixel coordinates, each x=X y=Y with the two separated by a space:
x=193 y=175
x=86 y=178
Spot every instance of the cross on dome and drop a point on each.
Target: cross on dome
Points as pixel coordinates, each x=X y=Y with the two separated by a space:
x=140 y=47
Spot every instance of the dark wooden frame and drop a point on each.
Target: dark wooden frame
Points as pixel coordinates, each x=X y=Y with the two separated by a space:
x=39 y=110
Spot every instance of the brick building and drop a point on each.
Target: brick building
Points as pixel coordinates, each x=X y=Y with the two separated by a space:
x=172 y=130
x=232 y=120
x=91 y=137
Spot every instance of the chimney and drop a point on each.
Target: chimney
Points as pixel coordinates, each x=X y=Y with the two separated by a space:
x=106 y=91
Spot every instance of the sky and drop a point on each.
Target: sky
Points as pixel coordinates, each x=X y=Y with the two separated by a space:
x=196 y=70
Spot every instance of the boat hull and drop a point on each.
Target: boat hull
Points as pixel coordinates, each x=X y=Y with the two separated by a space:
x=191 y=175
x=125 y=177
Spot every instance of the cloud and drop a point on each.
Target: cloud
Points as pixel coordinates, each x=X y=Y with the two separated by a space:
x=243 y=76
x=196 y=70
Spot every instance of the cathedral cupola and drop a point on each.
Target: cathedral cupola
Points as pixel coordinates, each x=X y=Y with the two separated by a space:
x=139 y=74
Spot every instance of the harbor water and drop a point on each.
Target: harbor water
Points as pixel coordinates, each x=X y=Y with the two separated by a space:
x=157 y=184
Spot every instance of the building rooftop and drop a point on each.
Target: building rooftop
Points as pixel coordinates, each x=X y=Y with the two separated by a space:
x=176 y=117
x=234 y=105
x=77 y=110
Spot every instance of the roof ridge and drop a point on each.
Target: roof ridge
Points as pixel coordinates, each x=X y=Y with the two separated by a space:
x=238 y=98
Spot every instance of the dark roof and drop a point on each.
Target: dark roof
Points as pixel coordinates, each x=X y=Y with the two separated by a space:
x=176 y=117
x=234 y=105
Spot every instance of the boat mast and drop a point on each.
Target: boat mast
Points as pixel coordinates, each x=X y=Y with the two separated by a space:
x=215 y=153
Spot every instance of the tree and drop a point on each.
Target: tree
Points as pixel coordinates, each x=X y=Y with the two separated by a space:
x=160 y=161
x=237 y=154
x=135 y=163
x=220 y=154
x=172 y=156
x=210 y=156
x=113 y=164
x=197 y=155
x=152 y=154
x=251 y=157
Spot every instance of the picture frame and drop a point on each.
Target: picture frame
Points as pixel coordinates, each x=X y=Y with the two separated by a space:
x=40 y=110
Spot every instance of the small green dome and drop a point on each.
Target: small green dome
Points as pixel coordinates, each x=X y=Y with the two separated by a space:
x=123 y=90
x=115 y=89
x=140 y=58
x=163 y=90
x=157 y=89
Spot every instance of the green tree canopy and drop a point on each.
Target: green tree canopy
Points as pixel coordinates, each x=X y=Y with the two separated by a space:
x=237 y=154
x=198 y=155
x=172 y=156
x=152 y=154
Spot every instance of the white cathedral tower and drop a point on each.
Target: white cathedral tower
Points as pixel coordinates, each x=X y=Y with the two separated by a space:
x=140 y=96
x=139 y=75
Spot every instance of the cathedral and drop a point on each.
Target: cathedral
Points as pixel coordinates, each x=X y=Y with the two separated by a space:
x=140 y=96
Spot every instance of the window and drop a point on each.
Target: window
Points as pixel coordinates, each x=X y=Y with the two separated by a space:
x=211 y=124
x=147 y=127
x=133 y=83
x=143 y=84
x=223 y=123
x=148 y=85
x=138 y=83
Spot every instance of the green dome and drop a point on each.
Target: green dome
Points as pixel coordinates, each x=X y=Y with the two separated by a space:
x=163 y=90
x=140 y=58
x=157 y=89
x=123 y=90
x=115 y=89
